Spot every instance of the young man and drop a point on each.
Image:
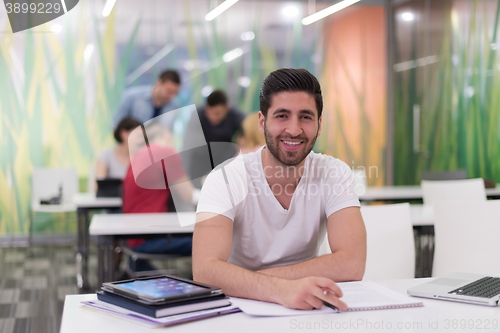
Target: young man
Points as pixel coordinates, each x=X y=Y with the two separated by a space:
x=147 y=102
x=262 y=217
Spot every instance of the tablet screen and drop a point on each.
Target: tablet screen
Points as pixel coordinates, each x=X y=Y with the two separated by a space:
x=161 y=287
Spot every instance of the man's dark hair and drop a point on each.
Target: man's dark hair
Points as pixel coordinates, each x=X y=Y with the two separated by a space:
x=217 y=97
x=170 y=75
x=290 y=80
x=126 y=124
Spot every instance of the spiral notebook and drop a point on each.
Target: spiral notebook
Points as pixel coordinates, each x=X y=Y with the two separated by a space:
x=368 y=295
x=359 y=296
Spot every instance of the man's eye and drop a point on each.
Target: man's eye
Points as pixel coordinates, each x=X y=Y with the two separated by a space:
x=280 y=116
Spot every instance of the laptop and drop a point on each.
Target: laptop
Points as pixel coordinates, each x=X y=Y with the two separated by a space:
x=109 y=188
x=461 y=287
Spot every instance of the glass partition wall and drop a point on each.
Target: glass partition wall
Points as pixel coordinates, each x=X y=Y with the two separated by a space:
x=446 y=78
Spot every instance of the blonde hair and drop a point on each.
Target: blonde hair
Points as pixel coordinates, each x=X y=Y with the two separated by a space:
x=253 y=138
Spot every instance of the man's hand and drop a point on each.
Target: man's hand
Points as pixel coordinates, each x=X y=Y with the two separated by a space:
x=307 y=293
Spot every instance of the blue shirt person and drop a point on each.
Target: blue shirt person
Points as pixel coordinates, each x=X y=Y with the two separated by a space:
x=147 y=102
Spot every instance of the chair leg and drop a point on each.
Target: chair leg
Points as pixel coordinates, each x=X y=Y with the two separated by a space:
x=66 y=221
x=134 y=265
x=431 y=253
x=30 y=229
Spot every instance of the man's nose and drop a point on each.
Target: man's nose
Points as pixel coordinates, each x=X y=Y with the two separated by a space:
x=294 y=128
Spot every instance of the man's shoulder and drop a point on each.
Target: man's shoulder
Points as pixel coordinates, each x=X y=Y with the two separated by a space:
x=239 y=167
x=200 y=110
x=138 y=91
x=323 y=159
x=171 y=105
x=235 y=113
x=326 y=165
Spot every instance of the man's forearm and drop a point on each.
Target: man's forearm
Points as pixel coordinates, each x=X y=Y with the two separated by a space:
x=338 y=266
x=239 y=282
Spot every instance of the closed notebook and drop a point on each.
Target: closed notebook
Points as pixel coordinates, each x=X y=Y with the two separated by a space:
x=158 y=311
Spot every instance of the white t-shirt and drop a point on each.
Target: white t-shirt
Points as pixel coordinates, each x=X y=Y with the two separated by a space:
x=265 y=234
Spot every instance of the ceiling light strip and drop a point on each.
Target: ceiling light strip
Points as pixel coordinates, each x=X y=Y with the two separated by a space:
x=149 y=63
x=108 y=7
x=220 y=9
x=327 y=11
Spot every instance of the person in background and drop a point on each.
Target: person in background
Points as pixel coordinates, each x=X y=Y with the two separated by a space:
x=113 y=162
x=146 y=190
x=251 y=139
x=219 y=123
x=147 y=102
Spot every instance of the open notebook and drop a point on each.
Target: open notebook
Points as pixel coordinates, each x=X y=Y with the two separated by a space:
x=368 y=295
x=359 y=296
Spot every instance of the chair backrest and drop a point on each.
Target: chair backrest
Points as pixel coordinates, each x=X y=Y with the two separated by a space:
x=390 y=242
x=453 y=190
x=467 y=237
x=444 y=175
x=46 y=183
x=360 y=181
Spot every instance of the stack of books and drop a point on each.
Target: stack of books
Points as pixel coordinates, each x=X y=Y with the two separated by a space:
x=160 y=301
x=163 y=310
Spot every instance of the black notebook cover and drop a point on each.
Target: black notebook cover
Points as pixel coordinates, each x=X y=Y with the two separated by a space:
x=158 y=311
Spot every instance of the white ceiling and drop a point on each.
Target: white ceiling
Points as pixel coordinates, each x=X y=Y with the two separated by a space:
x=159 y=18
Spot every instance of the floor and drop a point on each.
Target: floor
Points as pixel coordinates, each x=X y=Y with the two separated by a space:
x=34 y=282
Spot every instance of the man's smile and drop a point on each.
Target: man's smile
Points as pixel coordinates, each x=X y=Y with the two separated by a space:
x=292 y=145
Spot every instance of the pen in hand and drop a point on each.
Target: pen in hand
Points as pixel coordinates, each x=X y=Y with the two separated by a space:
x=331 y=306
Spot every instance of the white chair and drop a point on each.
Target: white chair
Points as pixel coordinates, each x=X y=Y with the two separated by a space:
x=48 y=183
x=433 y=192
x=390 y=242
x=452 y=190
x=467 y=237
x=360 y=182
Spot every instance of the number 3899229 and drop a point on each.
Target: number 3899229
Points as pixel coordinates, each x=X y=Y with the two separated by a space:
x=33 y=8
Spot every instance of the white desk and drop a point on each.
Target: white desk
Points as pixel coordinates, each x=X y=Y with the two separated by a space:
x=89 y=200
x=414 y=192
x=109 y=226
x=146 y=223
x=435 y=316
x=391 y=193
x=115 y=225
x=84 y=202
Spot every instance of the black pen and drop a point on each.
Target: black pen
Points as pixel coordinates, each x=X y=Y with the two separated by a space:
x=336 y=309
x=331 y=306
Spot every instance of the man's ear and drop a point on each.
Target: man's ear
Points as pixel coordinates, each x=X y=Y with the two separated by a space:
x=320 y=121
x=262 y=120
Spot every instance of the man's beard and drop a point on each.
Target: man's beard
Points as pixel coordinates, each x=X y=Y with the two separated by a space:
x=288 y=158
